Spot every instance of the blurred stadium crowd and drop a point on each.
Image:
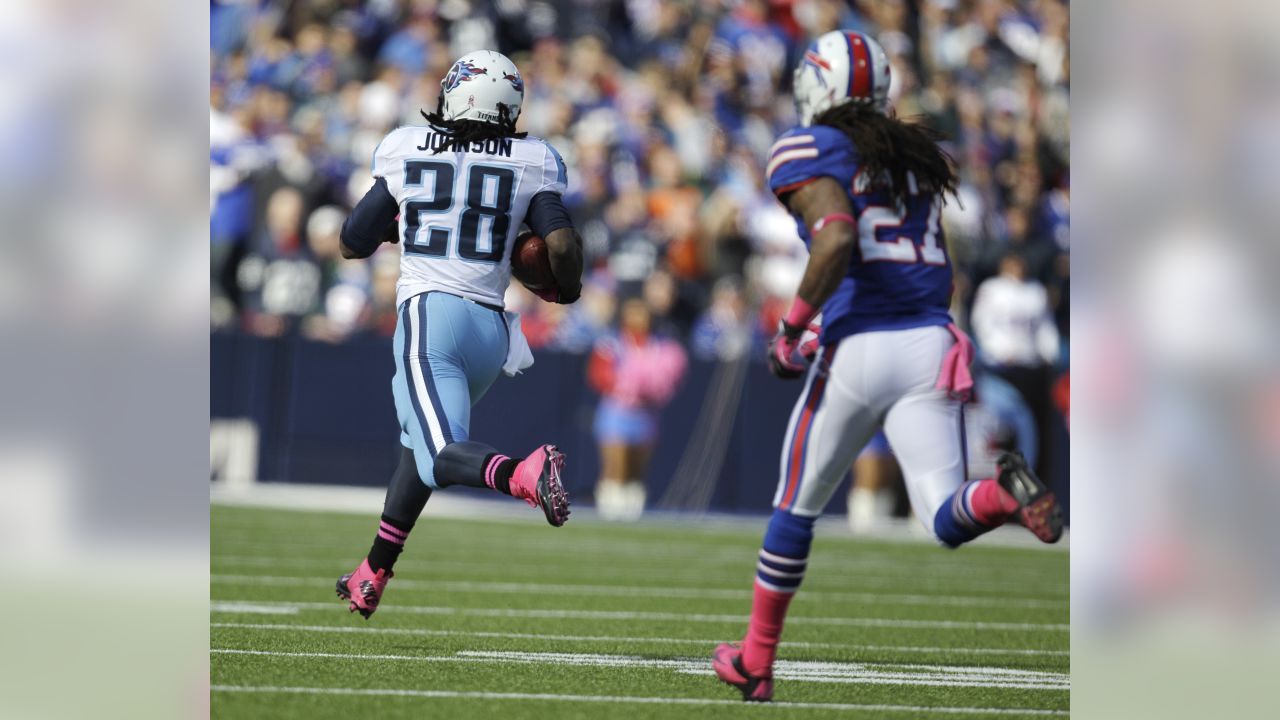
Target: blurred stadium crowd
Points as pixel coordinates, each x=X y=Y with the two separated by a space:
x=664 y=111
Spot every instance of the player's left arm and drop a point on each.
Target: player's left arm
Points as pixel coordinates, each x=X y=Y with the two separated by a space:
x=827 y=211
x=564 y=250
x=549 y=218
x=371 y=223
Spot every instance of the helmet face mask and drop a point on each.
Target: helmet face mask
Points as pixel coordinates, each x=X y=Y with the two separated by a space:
x=837 y=68
x=478 y=84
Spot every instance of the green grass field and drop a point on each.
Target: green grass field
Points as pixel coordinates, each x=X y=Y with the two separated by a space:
x=518 y=619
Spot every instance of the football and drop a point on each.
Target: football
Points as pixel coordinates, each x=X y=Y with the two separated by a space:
x=530 y=263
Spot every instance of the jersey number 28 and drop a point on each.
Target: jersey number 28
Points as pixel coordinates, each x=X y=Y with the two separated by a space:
x=482 y=229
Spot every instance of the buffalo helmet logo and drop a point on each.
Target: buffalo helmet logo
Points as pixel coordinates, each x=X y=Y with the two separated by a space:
x=818 y=63
x=461 y=71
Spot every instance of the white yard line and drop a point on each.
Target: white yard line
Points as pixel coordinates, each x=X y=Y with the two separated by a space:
x=846 y=555
x=810 y=671
x=252 y=608
x=653 y=591
x=803 y=671
x=836 y=559
x=634 y=699
x=230 y=607
x=916 y=576
x=709 y=642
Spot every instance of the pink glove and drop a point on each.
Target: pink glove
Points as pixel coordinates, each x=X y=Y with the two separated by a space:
x=786 y=343
x=782 y=352
x=809 y=348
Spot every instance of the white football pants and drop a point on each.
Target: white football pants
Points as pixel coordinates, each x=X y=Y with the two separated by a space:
x=852 y=389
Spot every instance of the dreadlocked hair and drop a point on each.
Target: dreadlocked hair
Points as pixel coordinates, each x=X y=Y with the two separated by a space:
x=462 y=133
x=889 y=148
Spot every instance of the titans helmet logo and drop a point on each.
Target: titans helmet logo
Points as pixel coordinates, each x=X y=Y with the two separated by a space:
x=460 y=73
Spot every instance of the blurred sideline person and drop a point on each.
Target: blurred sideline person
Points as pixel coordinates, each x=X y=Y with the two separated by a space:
x=1014 y=422
x=636 y=373
x=866 y=190
x=457 y=191
x=278 y=281
x=1017 y=337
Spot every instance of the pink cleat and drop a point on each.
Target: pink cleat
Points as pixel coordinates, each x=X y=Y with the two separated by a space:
x=363 y=588
x=727 y=662
x=536 y=480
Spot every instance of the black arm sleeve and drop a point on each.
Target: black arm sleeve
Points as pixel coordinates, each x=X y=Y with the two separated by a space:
x=547 y=214
x=364 y=229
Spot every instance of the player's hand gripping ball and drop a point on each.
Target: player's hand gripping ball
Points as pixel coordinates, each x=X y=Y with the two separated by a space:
x=531 y=265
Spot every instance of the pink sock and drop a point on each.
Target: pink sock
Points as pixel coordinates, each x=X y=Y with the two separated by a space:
x=760 y=647
x=991 y=504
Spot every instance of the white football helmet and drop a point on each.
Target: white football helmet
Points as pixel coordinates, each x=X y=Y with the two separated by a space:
x=477 y=83
x=840 y=67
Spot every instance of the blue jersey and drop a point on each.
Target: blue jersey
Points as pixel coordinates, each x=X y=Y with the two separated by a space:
x=899 y=276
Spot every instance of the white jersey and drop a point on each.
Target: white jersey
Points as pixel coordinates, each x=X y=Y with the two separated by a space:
x=460 y=211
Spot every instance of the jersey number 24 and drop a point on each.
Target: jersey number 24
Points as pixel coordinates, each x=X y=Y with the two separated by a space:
x=482 y=228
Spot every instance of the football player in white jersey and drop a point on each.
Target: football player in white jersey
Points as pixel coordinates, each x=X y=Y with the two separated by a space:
x=455 y=192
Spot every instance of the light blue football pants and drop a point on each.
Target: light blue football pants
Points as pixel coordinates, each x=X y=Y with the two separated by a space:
x=448 y=352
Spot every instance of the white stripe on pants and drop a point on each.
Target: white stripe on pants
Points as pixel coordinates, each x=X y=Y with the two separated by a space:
x=448 y=352
x=873 y=379
x=416 y=350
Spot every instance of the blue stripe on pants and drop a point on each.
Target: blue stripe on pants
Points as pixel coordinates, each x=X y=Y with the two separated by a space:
x=448 y=352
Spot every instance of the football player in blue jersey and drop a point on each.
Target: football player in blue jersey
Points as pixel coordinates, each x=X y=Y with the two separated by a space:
x=866 y=189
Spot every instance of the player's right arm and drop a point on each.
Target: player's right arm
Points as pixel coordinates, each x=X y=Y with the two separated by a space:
x=828 y=213
x=370 y=222
x=549 y=219
x=802 y=172
x=826 y=210
x=373 y=220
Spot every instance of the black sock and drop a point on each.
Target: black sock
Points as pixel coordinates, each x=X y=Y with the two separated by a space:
x=475 y=465
x=502 y=473
x=407 y=495
x=388 y=543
